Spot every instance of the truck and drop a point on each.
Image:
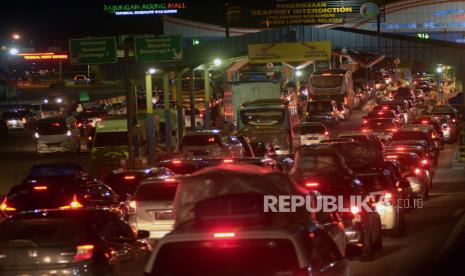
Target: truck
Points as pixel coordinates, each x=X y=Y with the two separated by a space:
x=237 y=93
x=269 y=121
x=334 y=85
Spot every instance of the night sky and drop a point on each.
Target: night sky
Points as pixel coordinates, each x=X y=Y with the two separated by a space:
x=53 y=22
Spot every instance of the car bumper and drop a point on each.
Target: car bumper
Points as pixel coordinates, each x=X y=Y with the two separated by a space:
x=64 y=147
x=15 y=125
x=156 y=231
x=85 y=269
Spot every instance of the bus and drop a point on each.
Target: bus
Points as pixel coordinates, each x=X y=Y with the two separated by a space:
x=332 y=84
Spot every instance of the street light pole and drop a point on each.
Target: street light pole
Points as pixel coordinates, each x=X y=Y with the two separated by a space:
x=149 y=118
x=206 y=83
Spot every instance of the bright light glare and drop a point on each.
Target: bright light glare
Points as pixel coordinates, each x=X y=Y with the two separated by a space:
x=217 y=62
x=13 y=51
x=152 y=71
x=15 y=36
x=439 y=69
x=298 y=73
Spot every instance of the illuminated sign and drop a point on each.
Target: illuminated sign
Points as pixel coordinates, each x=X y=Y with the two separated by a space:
x=423 y=36
x=42 y=56
x=447 y=12
x=145 y=9
x=308 y=13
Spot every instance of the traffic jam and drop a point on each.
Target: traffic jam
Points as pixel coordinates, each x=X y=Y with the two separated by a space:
x=218 y=204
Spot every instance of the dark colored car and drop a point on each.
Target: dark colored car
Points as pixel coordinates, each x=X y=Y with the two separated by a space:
x=3 y=128
x=404 y=93
x=447 y=110
x=71 y=242
x=125 y=182
x=382 y=127
x=322 y=111
x=384 y=114
x=58 y=195
x=427 y=120
x=323 y=168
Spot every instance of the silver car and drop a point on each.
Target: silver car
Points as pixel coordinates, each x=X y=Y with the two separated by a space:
x=151 y=206
x=57 y=134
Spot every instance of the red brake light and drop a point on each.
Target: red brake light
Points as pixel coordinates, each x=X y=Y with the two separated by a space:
x=417 y=171
x=380 y=113
x=354 y=210
x=40 y=188
x=4 y=206
x=364 y=130
x=55 y=124
x=392 y=129
x=385 y=107
x=326 y=133
x=133 y=204
x=424 y=162
x=176 y=162
x=228 y=161
x=170 y=180
x=400 y=148
x=454 y=120
x=425 y=122
x=326 y=74
x=312 y=184
x=211 y=139
x=224 y=235
x=129 y=177
x=365 y=121
x=90 y=138
x=391 y=156
x=83 y=252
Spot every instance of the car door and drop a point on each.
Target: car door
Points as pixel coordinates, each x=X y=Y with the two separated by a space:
x=128 y=255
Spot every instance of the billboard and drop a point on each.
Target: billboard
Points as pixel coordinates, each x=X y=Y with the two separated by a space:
x=290 y=52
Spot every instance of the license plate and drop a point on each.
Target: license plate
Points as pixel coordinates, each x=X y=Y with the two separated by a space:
x=168 y=215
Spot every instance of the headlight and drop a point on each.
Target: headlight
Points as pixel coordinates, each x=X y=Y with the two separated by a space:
x=36 y=135
x=58 y=100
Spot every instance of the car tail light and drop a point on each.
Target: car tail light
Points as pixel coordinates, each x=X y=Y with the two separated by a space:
x=326 y=132
x=354 y=210
x=392 y=156
x=133 y=204
x=83 y=252
x=176 y=162
x=365 y=121
x=385 y=107
x=364 y=130
x=79 y=125
x=311 y=184
x=227 y=161
x=224 y=235
x=380 y=113
x=454 y=120
x=40 y=188
x=169 y=180
x=400 y=148
x=55 y=124
x=129 y=177
x=74 y=204
x=392 y=129
x=89 y=138
x=23 y=120
x=417 y=171
x=425 y=122
x=424 y=161
x=4 y=206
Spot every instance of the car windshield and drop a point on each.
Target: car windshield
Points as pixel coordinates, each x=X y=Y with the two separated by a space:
x=227 y=257
x=200 y=140
x=380 y=124
x=303 y=129
x=320 y=107
x=51 y=127
x=268 y=116
x=409 y=135
x=42 y=232
x=163 y=191
x=111 y=139
x=316 y=163
x=55 y=170
x=330 y=81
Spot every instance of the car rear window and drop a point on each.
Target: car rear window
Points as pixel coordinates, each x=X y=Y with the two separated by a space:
x=42 y=232
x=410 y=135
x=309 y=129
x=318 y=163
x=380 y=124
x=49 y=196
x=164 y=191
x=227 y=257
x=52 y=127
x=200 y=140
x=55 y=170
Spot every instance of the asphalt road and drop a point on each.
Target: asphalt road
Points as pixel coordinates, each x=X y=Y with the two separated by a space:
x=435 y=234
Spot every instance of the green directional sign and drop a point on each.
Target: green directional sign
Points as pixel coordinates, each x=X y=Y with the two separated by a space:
x=97 y=50
x=158 y=48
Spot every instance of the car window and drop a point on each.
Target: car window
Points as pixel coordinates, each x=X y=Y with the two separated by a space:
x=111 y=228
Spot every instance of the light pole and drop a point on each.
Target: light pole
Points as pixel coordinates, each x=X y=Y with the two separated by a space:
x=298 y=74
x=440 y=94
x=150 y=125
x=13 y=53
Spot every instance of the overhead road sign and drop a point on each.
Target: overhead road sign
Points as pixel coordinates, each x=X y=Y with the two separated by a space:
x=158 y=48
x=97 y=50
x=290 y=52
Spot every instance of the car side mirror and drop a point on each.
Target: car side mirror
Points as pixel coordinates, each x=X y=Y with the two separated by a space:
x=142 y=234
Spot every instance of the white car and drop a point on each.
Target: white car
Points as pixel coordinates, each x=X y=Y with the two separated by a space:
x=57 y=134
x=151 y=206
x=382 y=186
x=308 y=133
